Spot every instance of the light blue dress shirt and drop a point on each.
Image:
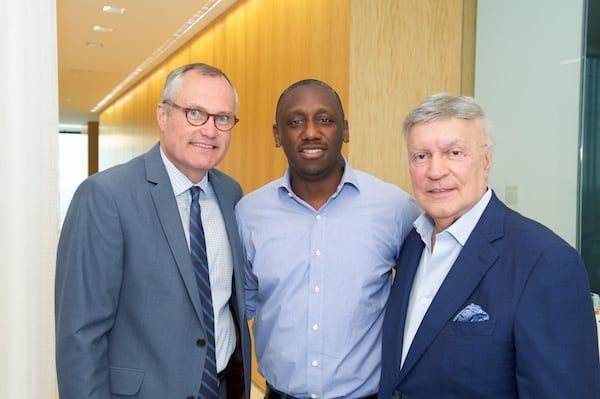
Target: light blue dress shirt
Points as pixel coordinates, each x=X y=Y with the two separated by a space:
x=435 y=264
x=220 y=260
x=317 y=282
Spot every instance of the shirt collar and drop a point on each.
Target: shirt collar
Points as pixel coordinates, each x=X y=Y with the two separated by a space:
x=348 y=177
x=461 y=229
x=179 y=181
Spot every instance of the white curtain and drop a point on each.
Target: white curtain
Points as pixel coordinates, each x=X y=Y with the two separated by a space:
x=28 y=197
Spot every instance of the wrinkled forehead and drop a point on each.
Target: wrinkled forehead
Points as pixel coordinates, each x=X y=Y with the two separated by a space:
x=198 y=89
x=451 y=126
x=446 y=132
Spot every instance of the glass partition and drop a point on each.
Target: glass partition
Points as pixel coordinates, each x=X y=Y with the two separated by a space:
x=589 y=236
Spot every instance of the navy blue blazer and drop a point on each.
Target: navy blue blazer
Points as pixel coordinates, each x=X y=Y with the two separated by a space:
x=128 y=314
x=540 y=340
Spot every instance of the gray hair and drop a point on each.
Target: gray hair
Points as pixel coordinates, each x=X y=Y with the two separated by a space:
x=173 y=81
x=445 y=106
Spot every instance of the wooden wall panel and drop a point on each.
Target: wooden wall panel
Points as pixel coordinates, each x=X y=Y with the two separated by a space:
x=264 y=46
x=92 y=133
x=468 y=47
x=401 y=51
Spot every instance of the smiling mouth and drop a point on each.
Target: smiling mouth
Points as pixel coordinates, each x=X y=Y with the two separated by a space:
x=439 y=190
x=200 y=145
x=312 y=150
x=312 y=153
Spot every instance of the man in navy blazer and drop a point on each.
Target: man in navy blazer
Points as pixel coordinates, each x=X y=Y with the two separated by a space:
x=128 y=312
x=485 y=303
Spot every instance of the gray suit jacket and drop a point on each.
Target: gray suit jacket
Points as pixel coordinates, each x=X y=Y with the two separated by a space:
x=128 y=319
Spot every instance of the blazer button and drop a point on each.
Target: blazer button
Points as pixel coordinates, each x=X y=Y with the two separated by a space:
x=200 y=342
x=397 y=395
x=190 y=397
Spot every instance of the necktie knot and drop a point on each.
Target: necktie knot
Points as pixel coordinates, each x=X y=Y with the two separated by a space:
x=195 y=190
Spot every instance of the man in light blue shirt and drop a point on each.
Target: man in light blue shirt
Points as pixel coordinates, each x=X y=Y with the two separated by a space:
x=320 y=244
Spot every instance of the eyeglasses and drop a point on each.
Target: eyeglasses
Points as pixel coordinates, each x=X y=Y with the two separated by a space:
x=198 y=117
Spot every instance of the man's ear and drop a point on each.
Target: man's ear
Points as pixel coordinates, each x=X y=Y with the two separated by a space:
x=488 y=158
x=346 y=132
x=276 y=135
x=161 y=116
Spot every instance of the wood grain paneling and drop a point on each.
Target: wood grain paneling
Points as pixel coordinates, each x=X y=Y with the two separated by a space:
x=264 y=46
x=401 y=51
x=468 y=46
x=92 y=133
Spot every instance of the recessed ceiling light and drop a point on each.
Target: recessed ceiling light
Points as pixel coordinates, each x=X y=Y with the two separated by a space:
x=204 y=11
x=94 y=44
x=113 y=10
x=98 y=28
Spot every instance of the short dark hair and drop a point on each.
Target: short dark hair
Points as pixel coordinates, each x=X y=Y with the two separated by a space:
x=309 y=82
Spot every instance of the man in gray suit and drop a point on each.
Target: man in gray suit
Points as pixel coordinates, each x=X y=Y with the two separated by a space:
x=129 y=317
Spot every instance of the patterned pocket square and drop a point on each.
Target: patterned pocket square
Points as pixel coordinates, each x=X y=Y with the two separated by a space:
x=472 y=313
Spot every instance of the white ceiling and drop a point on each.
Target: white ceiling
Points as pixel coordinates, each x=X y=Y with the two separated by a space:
x=86 y=75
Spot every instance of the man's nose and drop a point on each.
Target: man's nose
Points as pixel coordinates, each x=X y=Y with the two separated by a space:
x=438 y=167
x=312 y=130
x=209 y=127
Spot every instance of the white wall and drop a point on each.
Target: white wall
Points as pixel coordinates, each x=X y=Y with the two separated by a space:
x=527 y=78
x=28 y=197
x=72 y=168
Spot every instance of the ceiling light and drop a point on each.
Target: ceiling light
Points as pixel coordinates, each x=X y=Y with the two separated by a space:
x=98 y=28
x=94 y=44
x=113 y=10
x=204 y=11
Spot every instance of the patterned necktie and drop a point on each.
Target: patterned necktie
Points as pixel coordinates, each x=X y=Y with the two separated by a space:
x=210 y=382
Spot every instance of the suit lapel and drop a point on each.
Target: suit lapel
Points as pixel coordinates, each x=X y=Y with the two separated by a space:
x=170 y=221
x=226 y=202
x=397 y=306
x=473 y=262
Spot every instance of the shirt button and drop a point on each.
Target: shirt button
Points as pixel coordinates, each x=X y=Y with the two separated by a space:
x=318 y=218
x=314 y=363
x=318 y=253
x=424 y=301
x=313 y=395
x=315 y=327
x=317 y=289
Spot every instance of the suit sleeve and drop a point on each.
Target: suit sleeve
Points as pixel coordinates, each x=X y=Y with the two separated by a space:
x=408 y=213
x=555 y=333
x=88 y=279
